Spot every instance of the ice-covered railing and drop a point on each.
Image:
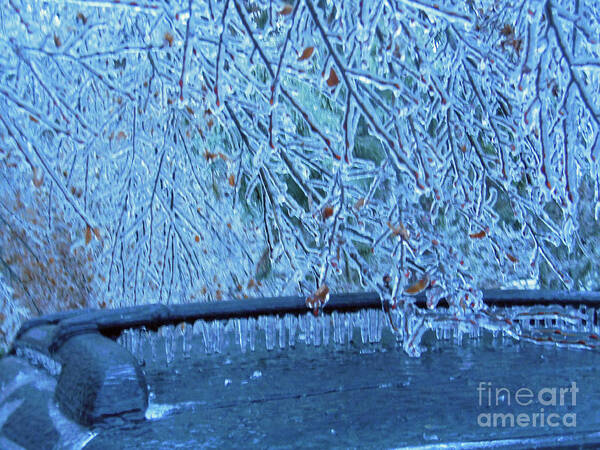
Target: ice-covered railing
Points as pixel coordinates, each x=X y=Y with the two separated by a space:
x=552 y=317
x=201 y=150
x=555 y=318
x=573 y=324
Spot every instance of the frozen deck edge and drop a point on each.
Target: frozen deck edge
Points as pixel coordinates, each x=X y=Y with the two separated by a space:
x=99 y=380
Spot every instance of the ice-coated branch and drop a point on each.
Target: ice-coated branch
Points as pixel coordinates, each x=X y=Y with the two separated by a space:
x=22 y=148
x=575 y=75
x=258 y=148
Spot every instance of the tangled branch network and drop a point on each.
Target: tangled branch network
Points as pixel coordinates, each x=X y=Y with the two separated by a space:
x=203 y=150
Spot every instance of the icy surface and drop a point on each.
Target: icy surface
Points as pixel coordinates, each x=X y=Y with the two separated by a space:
x=380 y=399
x=201 y=150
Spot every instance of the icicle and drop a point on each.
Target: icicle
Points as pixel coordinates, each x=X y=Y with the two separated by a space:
x=206 y=336
x=128 y=339
x=589 y=319
x=458 y=336
x=154 y=343
x=186 y=344
x=317 y=330
x=179 y=334
x=133 y=342
x=167 y=332
x=326 y=330
x=281 y=331
x=448 y=333
x=375 y=326
x=197 y=329
x=337 y=319
x=141 y=339
x=241 y=326
x=252 y=325
x=121 y=340
x=270 y=332
x=475 y=332
x=364 y=325
x=291 y=323
x=352 y=321
x=216 y=336
x=144 y=337
x=525 y=323
x=303 y=327
x=219 y=336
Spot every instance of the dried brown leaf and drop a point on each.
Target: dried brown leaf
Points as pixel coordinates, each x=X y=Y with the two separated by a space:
x=333 y=79
x=286 y=10
x=306 y=53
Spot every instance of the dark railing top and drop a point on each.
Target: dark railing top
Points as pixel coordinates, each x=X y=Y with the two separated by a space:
x=113 y=321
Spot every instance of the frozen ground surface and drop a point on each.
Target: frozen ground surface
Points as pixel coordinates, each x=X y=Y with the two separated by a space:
x=374 y=397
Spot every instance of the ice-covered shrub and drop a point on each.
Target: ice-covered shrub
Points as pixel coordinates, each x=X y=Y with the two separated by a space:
x=222 y=149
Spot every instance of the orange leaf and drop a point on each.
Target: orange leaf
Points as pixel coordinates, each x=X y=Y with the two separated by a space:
x=197 y=238
x=33 y=119
x=399 y=230
x=169 y=38
x=319 y=297
x=322 y=293
x=307 y=53
x=231 y=180
x=507 y=30
x=479 y=235
x=512 y=258
x=333 y=80
x=96 y=231
x=88 y=234
x=57 y=41
x=417 y=287
x=209 y=156
x=286 y=10
x=190 y=110
x=327 y=212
